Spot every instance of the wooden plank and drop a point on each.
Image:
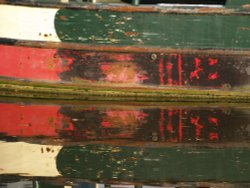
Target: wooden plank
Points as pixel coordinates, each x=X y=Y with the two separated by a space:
x=181 y=28
x=130 y=164
x=172 y=69
x=158 y=30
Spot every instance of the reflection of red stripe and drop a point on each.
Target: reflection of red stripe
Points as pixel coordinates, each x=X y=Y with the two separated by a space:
x=29 y=63
x=29 y=120
x=161 y=122
x=180 y=126
x=169 y=125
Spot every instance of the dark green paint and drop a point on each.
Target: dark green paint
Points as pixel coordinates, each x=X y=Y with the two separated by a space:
x=154 y=29
x=135 y=164
x=236 y=3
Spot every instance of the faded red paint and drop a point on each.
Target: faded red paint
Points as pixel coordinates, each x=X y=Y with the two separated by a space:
x=122 y=72
x=30 y=120
x=213 y=136
x=213 y=120
x=180 y=69
x=212 y=61
x=213 y=76
x=195 y=74
x=169 y=68
x=121 y=57
x=30 y=63
x=106 y=124
x=161 y=71
x=199 y=127
x=40 y=64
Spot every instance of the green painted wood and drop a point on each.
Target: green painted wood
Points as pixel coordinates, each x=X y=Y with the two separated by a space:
x=139 y=164
x=154 y=29
x=237 y=3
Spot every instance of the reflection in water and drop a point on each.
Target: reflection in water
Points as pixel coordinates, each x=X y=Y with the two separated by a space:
x=134 y=143
x=169 y=123
x=149 y=164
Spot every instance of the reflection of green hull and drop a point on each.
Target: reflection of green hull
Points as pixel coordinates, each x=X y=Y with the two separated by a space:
x=132 y=164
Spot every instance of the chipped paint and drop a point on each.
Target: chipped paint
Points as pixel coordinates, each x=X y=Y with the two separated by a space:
x=201 y=164
x=124 y=28
x=201 y=31
x=165 y=69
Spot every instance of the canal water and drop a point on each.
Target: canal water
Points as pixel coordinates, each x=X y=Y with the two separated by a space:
x=81 y=144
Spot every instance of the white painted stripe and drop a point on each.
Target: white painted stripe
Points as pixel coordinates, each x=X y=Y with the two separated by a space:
x=28 y=23
x=28 y=159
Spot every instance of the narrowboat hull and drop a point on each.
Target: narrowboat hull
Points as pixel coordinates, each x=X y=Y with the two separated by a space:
x=198 y=51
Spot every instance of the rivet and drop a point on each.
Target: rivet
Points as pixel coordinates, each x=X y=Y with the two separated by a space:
x=153 y=56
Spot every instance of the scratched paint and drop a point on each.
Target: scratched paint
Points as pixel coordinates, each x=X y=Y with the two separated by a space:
x=167 y=124
x=81 y=25
x=165 y=69
x=107 y=163
x=137 y=164
x=157 y=30
x=30 y=63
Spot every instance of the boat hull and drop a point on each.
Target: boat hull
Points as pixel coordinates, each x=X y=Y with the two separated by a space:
x=194 y=54
x=188 y=69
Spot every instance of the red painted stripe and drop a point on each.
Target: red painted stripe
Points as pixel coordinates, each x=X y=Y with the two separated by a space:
x=161 y=71
x=30 y=63
x=180 y=69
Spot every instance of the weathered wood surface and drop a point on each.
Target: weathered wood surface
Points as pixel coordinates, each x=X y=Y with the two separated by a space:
x=154 y=164
x=173 y=47
x=128 y=164
x=215 y=71
x=217 y=28
x=158 y=29
x=161 y=74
